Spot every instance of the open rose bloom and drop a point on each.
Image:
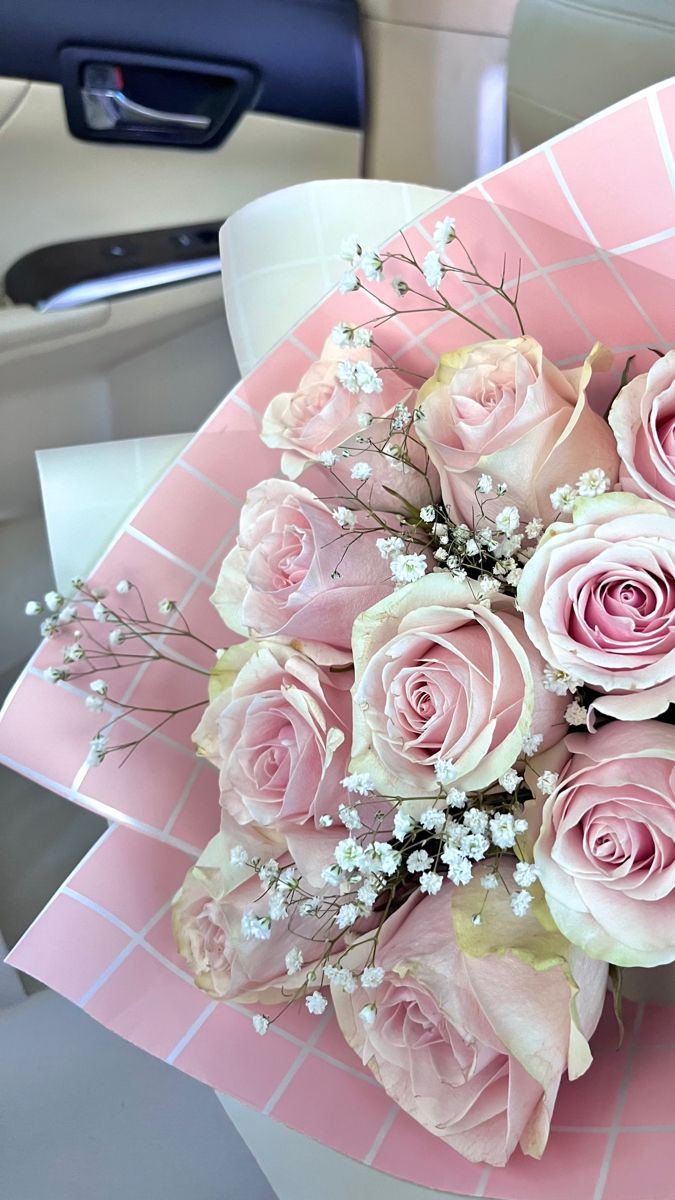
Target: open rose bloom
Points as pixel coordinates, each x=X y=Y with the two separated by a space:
x=401 y=798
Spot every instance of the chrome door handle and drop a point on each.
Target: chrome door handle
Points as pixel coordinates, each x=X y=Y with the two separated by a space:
x=107 y=107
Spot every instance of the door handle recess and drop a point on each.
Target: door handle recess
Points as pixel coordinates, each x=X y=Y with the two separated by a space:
x=106 y=106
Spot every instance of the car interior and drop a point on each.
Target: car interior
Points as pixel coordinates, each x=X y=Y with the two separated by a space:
x=162 y=170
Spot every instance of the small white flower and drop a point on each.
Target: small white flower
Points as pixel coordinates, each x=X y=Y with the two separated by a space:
x=361 y=471
x=328 y=458
x=56 y=674
x=277 y=906
x=431 y=882
x=99 y=686
x=73 y=653
x=441 y=554
x=348 y=854
x=350 y=250
x=403 y=823
x=343 y=978
x=520 y=825
x=331 y=875
x=576 y=714
x=484 y=485
x=399 y=285
x=489 y=881
x=508 y=520
x=460 y=872
x=408 y=568
x=381 y=858
x=294 y=960
x=547 y=782
x=502 y=831
x=510 y=780
x=525 y=874
x=372 y=977
x=123 y=586
x=347 y=915
x=475 y=820
x=316 y=1004
x=260 y=1023
x=325 y=821
x=514 y=575
x=432 y=270
x=348 y=282
x=445 y=771
x=371 y=265
x=166 y=606
x=268 y=872
x=341 y=334
x=361 y=783
x=440 y=531
x=368 y=1014
x=238 y=856
x=459 y=574
x=558 y=681
x=95 y=756
x=94 y=703
x=428 y=514
x=502 y=489
x=99 y=612
x=54 y=601
x=368 y=380
x=474 y=846
x=345 y=518
x=444 y=232
x=362 y=337
x=532 y=742
x=349 y=817
x=255 y=928
x=520 y=902
x=563 y=498
x=432 y=819
x=310 y=908
x=593 y=483
x=67 y=615
x=34 y=608
x=472 y=547
x=419 y=860
x=455 y=797
x=534 y=529
x=367 y=895
x=390 y=545
x=115 y=638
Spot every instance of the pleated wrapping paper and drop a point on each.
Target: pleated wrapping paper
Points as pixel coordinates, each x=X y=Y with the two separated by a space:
x=589 y=220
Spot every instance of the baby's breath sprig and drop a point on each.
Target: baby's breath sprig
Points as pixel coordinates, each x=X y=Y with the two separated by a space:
x=102 y=638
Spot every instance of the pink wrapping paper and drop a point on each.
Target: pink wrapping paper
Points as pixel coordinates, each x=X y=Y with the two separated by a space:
x=591 y=218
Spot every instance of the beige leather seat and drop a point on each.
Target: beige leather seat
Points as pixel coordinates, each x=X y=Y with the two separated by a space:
x=569 y=59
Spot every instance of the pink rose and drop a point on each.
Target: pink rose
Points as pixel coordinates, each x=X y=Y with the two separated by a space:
x=501 y=408
x=643 y=420
x=440 y=676
x=606 y=850
x=598 y=598
x=279 y=733
x=473 y=1048
x=294 y=573
x=323 y=415
x=207 y=917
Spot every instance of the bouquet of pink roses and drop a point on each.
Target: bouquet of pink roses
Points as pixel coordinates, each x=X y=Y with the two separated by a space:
x=444 y=751
x=428 y=667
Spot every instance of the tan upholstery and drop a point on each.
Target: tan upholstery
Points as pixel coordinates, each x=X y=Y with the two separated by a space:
x=571 y=58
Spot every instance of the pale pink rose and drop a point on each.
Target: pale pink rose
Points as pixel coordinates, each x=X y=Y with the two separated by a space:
x=643 y=420
x=322 y=415
x=606 y=850
x=294 y=573
x=473 y=1048
x=207 y=920
x=598 y=599
x=501 y=408
x=440 y=676
x=280 y=734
